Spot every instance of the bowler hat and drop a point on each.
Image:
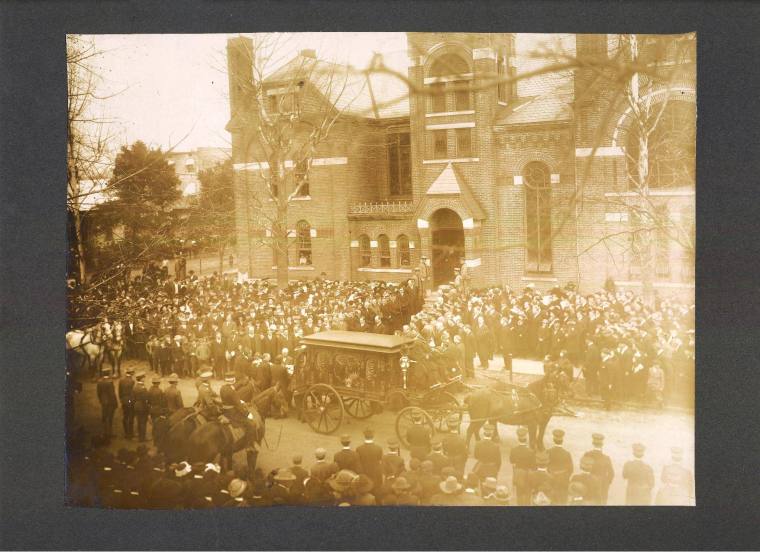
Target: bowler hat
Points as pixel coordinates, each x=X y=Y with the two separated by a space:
x=502 y=494
x=400 y=484
x=237 y=487
x=342 y=480
x=450 y=486
x=320 y=453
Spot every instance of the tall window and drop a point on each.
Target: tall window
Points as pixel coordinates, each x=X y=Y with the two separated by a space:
x=402 y=247
x=301 y=177
x=365 y=252
x=464 y=142
x=671 y=146
x=438 y=97
x=399 y=164
x=303 y=242
x=440 y=144
x=384 y=247
x=462 y=100
x=538 y=214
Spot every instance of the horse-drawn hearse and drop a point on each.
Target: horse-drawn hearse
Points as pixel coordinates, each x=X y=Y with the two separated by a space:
x=361 y=374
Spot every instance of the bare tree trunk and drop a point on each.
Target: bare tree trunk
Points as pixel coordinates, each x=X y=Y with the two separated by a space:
x=280 y=237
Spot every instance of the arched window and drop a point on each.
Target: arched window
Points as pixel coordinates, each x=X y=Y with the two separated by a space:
x=303 y=242
x=365 y=253
x=450 y=67
x=402 y=247
x=671 y=146
x=538 y=217
x=384 y=248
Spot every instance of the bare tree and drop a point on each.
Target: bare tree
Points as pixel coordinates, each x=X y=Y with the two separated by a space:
x=283 y=119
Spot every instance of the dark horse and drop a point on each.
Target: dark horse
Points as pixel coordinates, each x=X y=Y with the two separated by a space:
x=530 y=406
x=186 y=437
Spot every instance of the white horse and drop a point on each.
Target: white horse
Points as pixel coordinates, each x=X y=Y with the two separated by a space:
x=87 y=344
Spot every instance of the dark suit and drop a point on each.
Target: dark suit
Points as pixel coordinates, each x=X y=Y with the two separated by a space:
x=370 y=460
x=488 y=456
x=322 y=470
x=108 y=404
x=523 y=460
x=603 y=471
x=440 y=461
x=347 y=459
x=141 y=409
x=640 y=479
x=455 y=448
x=418 y=437
x=173 y=399
x=561 y=469
x=126 y=388
x=393 y=465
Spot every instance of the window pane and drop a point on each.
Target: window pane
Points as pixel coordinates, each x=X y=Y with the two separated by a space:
x=385 y=250
x=462 y=99
x=448 y=65
x=301 y=176
x=438 y=97
x=464 y=142
x=365 y=253
x=405 y=165
x=303 y=243
x=440 y=144
x=538 y=214
x=402 y=243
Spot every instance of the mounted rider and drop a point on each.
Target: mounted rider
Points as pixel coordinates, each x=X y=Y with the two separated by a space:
x=208 y=402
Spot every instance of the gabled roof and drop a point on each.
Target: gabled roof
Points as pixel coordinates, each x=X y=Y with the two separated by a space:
x=452 y=182
x=554 y=106
x=378 y=96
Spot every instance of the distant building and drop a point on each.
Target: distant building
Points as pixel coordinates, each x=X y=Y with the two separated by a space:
x=187 y=165
x=486 y=175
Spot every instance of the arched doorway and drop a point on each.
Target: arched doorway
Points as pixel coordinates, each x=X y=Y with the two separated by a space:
x=448 y=245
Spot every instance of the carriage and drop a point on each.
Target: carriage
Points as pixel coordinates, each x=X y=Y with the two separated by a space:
x=359 y=374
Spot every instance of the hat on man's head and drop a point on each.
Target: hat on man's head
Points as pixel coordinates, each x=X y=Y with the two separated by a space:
x=522 y=434
x=638 y=450
x=206 y=375
x=342 y=480
x=173 y=378
x=320 y=453
x=130 y=371
x=156 y=380
x=345 y=439
x=237 y=487
x=140 y=375
x=369 y=434
x=450 y=485
x=597 y=439
x=400 y=484
x=558 y=435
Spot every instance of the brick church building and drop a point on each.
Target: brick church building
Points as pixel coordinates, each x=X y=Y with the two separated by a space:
x=526 y=182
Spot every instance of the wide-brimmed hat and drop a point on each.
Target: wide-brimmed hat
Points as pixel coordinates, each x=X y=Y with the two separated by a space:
x=502 y=494
x=400 y=484
x=237 y=487
x=363 y=484
x=284 y=474
x=173 y=378
x=342 y=480
x=451 y=485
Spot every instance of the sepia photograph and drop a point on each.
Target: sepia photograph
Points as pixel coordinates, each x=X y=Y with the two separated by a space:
x=344 y=269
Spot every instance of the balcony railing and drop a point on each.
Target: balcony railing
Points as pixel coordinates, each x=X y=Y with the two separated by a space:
x=390 y=207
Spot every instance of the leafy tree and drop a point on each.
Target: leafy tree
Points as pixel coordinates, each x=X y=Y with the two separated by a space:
x=145 y=188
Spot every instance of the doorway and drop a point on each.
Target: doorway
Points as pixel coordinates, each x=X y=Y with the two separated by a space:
x=448 y=245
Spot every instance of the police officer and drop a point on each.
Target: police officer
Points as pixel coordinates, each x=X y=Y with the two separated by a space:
x=560 y=467
x=418 y=436
x=173 y=395
x=108 y=403
x=602 y=469
x=585 y=487
x=157 y=402
x=640 y=478
x=487 y=454
x=523 y=460
x=141 y=405
x=677 y=482
x=126 y=389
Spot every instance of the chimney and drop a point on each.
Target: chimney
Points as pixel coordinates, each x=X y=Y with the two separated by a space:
x=309 y=53
x=239 y=70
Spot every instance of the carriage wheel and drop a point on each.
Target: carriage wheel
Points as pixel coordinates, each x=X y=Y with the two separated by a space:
x=440 y=405
x=405 y=420
x=322 y=408
x=361 y=409
x=396 y=401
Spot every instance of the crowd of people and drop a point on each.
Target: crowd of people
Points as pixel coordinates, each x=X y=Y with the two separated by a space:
x=433 y=473
x=186 y=327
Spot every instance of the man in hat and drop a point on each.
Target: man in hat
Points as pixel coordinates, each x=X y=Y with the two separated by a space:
x=418 y=436
x=371 y=459
x=438 y=457
x=173 y=395
x=282 y=492
x=141 y=406
x=454 y=446
x=401 y=494
x=487 y=454
x=677 y=482
x=207 y=403
x=107 y=399
x=523 y=460
x=603 y=469
x=450 y=493
x=126 y=390
x=342 y=484
x=586 y=484
x=157 y=402
x=541 y=485
x=640 y=478
x=346 y=458
x=393 y=464
x=560 y=467
x=362 y=488
x=322 y=470
x=300 y=473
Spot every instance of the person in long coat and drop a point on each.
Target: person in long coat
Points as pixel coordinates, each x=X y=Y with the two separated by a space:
x=484 y=341
x=640 y=478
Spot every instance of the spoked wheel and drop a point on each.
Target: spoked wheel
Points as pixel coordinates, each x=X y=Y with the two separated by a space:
x=361 y=409
x=440 y=405
x=405 y=420
x=322 y=408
